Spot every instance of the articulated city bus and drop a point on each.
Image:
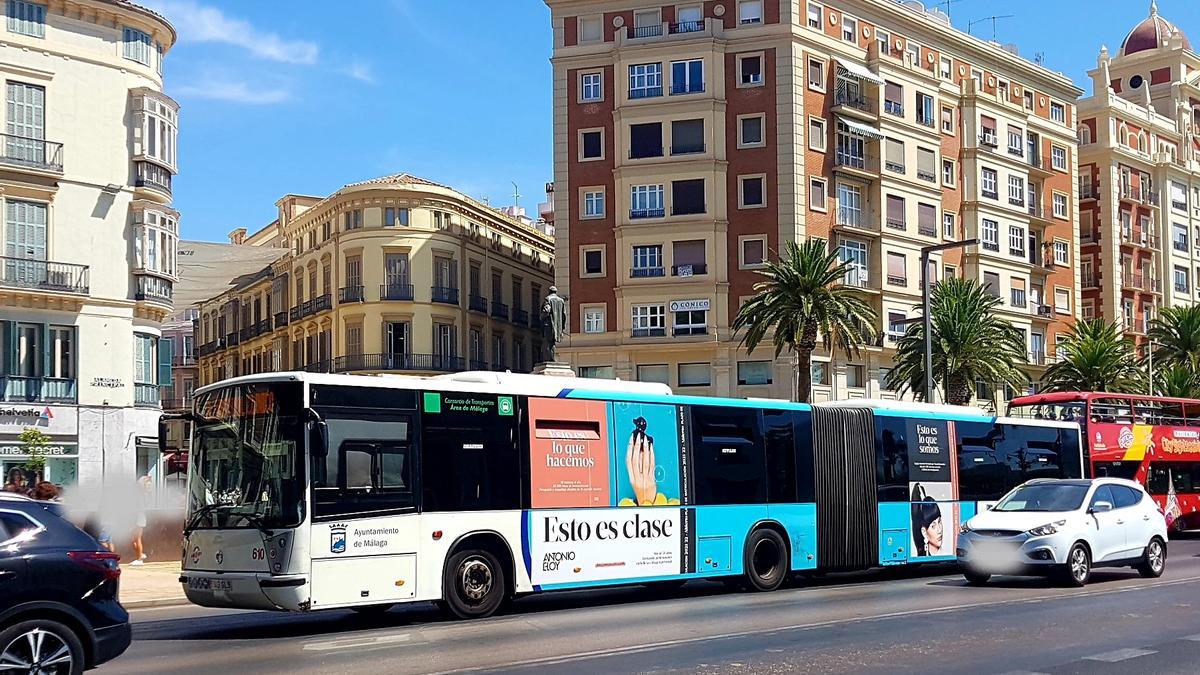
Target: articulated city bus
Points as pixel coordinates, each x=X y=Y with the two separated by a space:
x=310 y=491
x=1153 y=440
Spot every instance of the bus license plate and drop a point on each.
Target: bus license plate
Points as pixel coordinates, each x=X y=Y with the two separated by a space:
x=206 y=584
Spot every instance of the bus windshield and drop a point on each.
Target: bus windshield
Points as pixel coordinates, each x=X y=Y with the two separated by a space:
x=245 y=467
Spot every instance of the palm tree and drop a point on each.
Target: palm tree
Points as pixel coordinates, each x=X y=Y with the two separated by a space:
x=970 y=344
x=1175 y=332
x=802 y=297
x=1177 y=381
x=1098 y=358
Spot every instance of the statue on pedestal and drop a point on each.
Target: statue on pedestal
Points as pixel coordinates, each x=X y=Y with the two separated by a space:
x=554 y=324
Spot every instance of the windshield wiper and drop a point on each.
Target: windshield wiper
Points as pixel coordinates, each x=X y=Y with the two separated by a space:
x=199 y=513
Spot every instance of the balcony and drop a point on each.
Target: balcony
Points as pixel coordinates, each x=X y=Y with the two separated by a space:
x=649 y=332
x=322 y=303
x=1089 y=281
x=641 y=214
x=682 y=88
x=1038 y=211
x=154 y=289
x=31 y=153
x=44 y=275
x=991 y=246
x=645 y=92
x=477 y=364
x=894 y=166
x=990 y=194
x=300 y=311
x=645 y=272
x=396 y=291
x=855 y=162
x=928 y=176
x=894 y=108
x=1045 y=311
x=857 y=278
x=477 y=303
x=686 y=27
x=926 y=120
x=1178 y=206
x=350 y=294
x=1180 y=245
x=444 y=294
x=1037 y=358
x=689 y=270
x=1018 y=252
x=1135 y=193
x=146 y=394
x=926 y=230
x=853 y=100
x=281 y=319
x=233 y=338
x=1016 y=201
x=393 y=362
x=641 y=32
x=989 y=140
x=152 y=176
x=36 y=389
x=1039 y=165
x=895 y=223
x=1139 y=239
x=520 y=317
x=1016 y=150
x=1087 y=191
x=499 y=310
x=1017 y=299
x=896 y=280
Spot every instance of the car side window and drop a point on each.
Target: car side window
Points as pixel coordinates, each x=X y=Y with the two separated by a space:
x=1102 y=494
x=13 y=525
x=1125 y=496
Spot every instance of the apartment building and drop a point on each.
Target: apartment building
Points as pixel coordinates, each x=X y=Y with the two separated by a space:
x=87 y=159
x=693 y=140
x=396 y=274
x=1139 y=178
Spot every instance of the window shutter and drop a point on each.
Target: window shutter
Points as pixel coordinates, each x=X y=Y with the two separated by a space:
x=166 y=351
x=8 y=364
x=47 y=353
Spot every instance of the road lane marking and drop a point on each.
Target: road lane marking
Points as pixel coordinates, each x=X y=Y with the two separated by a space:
x=1192 y=638
x=666 y=644
x=357 y=642
x=1118 y=655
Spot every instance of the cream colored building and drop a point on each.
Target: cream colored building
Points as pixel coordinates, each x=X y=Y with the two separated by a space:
x=87 y=157
x=1140 y=178
x=694 y=140
x=396 y=274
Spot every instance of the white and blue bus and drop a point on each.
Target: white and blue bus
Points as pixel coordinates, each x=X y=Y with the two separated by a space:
x=310 y=491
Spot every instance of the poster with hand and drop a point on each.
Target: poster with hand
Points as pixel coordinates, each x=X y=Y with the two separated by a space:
x=645 y=454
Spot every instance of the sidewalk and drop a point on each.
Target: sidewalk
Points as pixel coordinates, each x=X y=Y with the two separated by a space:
x=153 y=584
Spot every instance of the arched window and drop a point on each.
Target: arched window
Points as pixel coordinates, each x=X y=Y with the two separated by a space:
x=1143 y=145
x=1123 y=135
x=1085 y=134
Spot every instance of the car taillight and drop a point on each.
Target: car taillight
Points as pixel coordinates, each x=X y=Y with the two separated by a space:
x=103 y=561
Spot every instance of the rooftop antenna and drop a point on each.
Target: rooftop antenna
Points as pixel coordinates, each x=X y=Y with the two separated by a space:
x=945 y=5
x=516 y=194
x=1040 y=58
x=993 y=19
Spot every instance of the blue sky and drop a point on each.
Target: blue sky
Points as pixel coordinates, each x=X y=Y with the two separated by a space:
x=286 y=96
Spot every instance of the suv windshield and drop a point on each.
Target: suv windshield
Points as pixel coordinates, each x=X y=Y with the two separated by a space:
x=245 y=471
x=1044 y=497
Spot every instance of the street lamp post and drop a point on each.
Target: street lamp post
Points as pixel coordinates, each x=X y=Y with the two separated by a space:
x=926 y=286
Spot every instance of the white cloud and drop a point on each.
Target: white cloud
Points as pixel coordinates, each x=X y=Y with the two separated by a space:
x=232 y=91
x=361 y=71
x=200 y=23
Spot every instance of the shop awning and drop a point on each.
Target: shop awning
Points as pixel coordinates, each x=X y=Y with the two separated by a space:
x=860 y=72
x=860 y=129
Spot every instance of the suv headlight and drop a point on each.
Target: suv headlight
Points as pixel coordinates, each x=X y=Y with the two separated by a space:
x=1047 y=529
x=964 y=528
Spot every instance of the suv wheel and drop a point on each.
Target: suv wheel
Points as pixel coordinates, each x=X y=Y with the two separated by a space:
x=1155 y=559
x=41 y=646
x=1079 y=566
x=976 y=578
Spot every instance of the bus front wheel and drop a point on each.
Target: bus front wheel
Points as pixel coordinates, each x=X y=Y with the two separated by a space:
x=473 y=584
x=765 y=560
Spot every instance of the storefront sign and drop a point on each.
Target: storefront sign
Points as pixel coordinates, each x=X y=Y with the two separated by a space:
x=689 y=305
x=16 y=415
x=10 y=449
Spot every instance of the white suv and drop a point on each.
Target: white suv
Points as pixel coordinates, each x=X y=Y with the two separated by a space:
x=1065 y=528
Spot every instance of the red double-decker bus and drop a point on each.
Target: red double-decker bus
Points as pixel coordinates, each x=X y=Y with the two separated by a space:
x=1151 y=439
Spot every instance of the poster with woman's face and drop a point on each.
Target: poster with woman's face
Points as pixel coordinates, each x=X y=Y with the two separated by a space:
x=645 y=440
x=931 y=489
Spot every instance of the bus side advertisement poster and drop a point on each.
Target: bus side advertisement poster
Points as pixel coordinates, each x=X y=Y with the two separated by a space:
x=568 y=453
x=1136 y=442
x=931 y=469
x=588 y=545
x=646 y=452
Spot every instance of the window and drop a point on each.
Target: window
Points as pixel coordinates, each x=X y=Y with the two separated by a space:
x=591 y=87
x=26 y=18
x=948 y=172
x=947 y=119
x=893 y=156
x=1061 y=252
x=897 y=325
x=1181 y=280
x=593 y=320
x=849 y=203
x=926 y=165
x=855 y=377
x=977 y=75
x=753 y=252
x=137 y=46
x=688 y=258
x=849 y=29
x=815 y=15
x=946 y=68
x=591 y=145
x=1058 y=157
x=991 y=283
x=591 y=29
x=593 y=204
x=753 y=373
x=647 y=261
x=157 y=120
x=897 y=272
x=1016 y=191
x=988 y=183
x=854 y=255
x=1058 y=112
x=896 y=218
x=593 y=262
x=645 y=140
x=927 y=220
x=1016 y=141
x=1179 y=236
x=690 y=322
x=687 y=77
x=144 y=350
x=816 y=74
x=819 y=373
x=646 y=201
x=597 y=372
x=949 y=227
x=687 y=197
x=695 y=374
x=645 y=80
x=687 y=137
x=1016 y=240
x=893 y=99
x=1060 y=205
x=749 y=12
x=750 y=69
x=991 y=235
x=352 y=220
x=477 y=467
x=925 y=110
x=1062 y=300
x=817 y=188
x=750 y=131
x=649 y=321
x=752 y=190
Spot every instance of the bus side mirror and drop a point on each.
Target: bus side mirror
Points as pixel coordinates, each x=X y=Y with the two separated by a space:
x=318 y=434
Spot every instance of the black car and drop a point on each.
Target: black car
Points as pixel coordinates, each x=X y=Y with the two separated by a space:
x=59 y=611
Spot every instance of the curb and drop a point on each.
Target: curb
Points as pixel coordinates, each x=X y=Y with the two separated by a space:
x=154 y=602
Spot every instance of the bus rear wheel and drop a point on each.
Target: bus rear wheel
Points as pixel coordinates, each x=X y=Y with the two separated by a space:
x=473 y=584
x=765 y=560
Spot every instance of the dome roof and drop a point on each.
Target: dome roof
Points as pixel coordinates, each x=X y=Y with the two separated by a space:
x=1152 y=33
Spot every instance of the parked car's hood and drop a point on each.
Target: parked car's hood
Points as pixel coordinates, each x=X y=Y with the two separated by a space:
x=1016 y=520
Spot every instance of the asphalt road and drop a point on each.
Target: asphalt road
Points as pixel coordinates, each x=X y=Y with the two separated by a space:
x=927 y=621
